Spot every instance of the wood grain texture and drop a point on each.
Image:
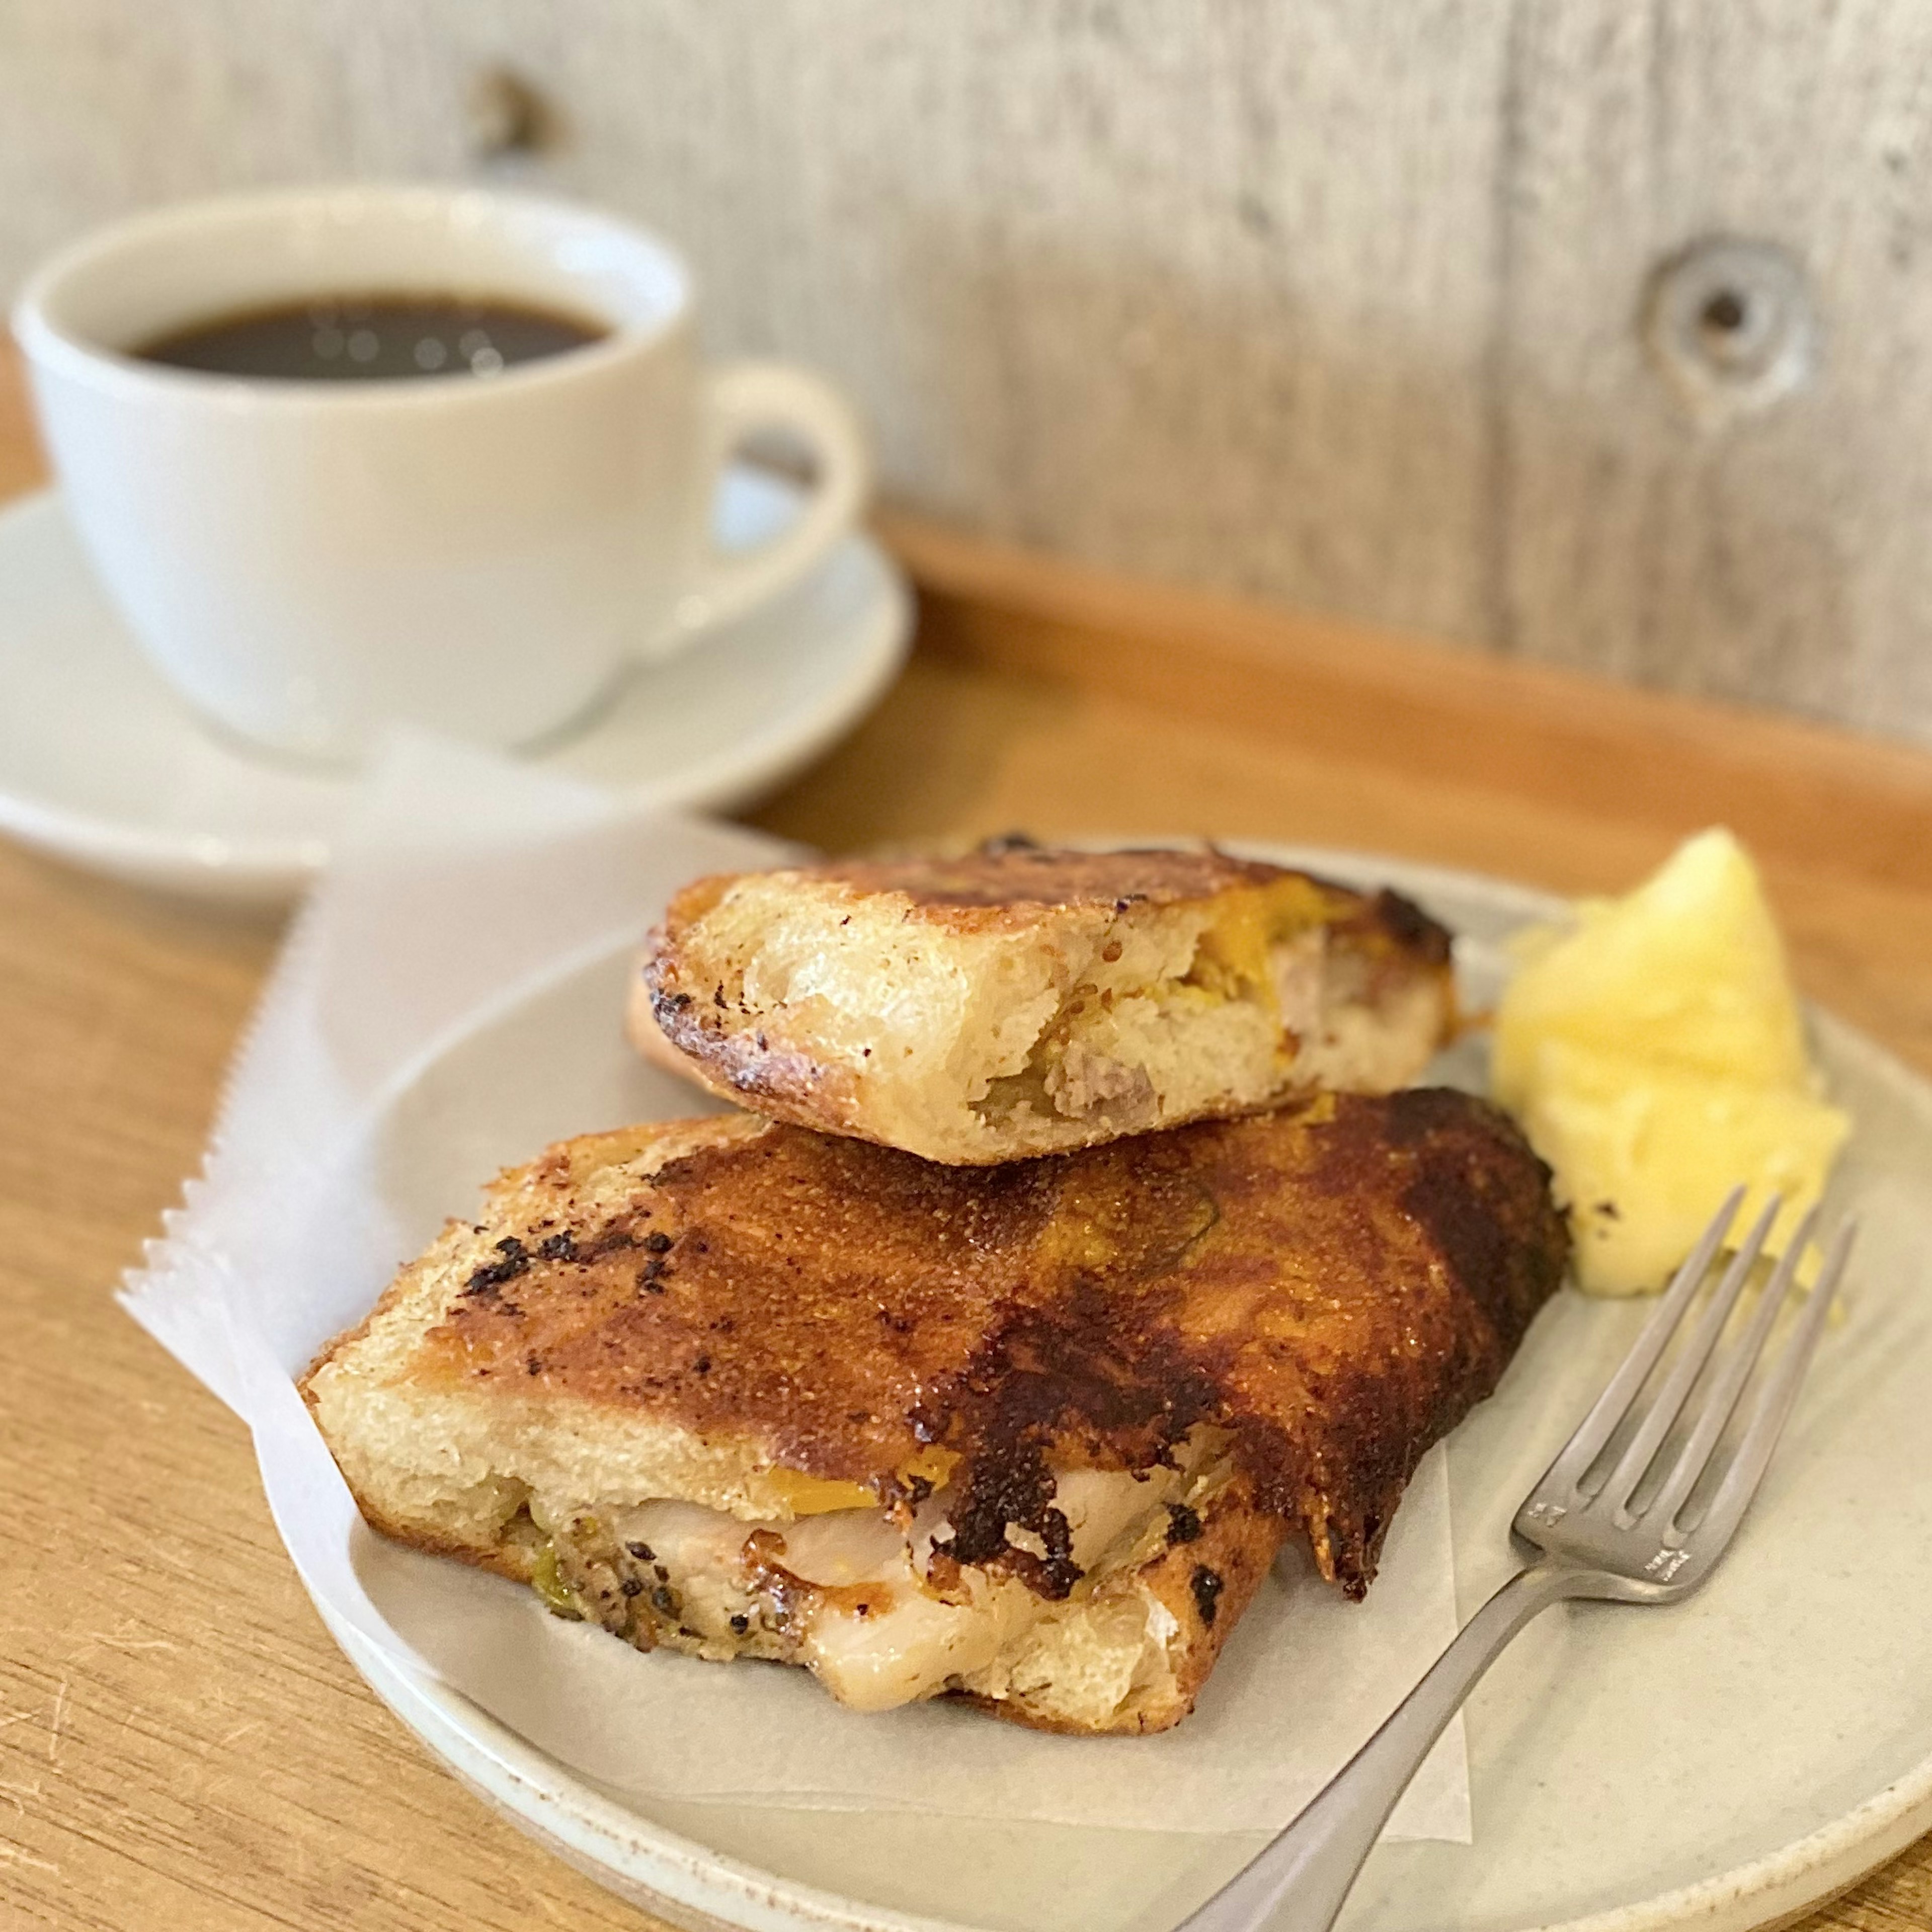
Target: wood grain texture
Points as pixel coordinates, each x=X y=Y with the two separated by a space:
x=1334 y=305
x=182 y=1749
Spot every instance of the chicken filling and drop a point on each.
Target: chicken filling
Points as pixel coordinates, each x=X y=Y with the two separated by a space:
x=1168 y=1019
x=875 y=1606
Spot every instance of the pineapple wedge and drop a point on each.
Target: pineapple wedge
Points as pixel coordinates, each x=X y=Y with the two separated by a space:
x=1655 y=1053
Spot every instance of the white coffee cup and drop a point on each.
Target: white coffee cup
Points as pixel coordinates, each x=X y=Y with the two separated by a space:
x=307 y=562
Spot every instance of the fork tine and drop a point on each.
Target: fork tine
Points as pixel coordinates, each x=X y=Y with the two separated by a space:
x=1621 y=1484
x=1574 y=1460
x=1774 y=1404
x=1724 y=1391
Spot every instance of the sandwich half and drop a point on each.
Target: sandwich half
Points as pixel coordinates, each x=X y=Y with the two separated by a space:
x=1029 y=1435
x=1019 y=1000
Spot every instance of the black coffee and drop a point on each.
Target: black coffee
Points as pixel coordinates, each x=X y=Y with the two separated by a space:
x=373 y=338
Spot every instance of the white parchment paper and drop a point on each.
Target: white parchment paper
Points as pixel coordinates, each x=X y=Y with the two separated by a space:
x=447 y=1002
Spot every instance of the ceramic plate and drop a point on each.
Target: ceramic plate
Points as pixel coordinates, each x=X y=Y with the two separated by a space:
x=1719 y=1764
x=101 y=764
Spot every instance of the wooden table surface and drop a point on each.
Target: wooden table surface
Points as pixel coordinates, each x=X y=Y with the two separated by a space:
x=181 y=1746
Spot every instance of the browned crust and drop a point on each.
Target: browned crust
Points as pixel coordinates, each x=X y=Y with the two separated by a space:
x=969 y=891
x=1335 y=1284
x=397 y=1290
x=1013 y=879
x=681 y=1021
x=757 y=1069
x=642 y=1030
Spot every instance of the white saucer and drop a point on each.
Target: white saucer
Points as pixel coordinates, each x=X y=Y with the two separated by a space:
x=101 y=764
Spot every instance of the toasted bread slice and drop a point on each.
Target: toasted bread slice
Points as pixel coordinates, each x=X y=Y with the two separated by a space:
x=1020 y=1001
x=1029 y=1434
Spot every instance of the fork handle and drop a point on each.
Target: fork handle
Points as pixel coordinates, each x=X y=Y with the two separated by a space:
x=1310 y=1866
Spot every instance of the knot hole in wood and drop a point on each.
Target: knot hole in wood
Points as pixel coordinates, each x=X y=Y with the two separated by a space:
x=505 y=115
x=1729 y=325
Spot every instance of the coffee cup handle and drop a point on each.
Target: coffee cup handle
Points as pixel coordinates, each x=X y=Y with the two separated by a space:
x=743 y=399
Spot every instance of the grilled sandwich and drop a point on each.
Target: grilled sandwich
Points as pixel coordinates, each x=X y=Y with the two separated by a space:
x=1020 y=1000
x=1029 y=1435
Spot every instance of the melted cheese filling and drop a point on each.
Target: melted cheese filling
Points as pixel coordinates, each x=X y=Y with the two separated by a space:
x=847 y=1592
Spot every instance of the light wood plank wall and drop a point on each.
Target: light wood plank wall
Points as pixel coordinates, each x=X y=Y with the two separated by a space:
x=1346 y=305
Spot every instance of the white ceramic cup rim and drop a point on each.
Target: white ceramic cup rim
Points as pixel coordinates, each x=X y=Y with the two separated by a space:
x=49 y=335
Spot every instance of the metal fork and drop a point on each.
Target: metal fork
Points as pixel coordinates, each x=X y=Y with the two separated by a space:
x=1598 y=1540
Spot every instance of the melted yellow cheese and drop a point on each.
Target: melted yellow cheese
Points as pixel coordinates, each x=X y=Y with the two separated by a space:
x=819 y=1495
x=1233 y=958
